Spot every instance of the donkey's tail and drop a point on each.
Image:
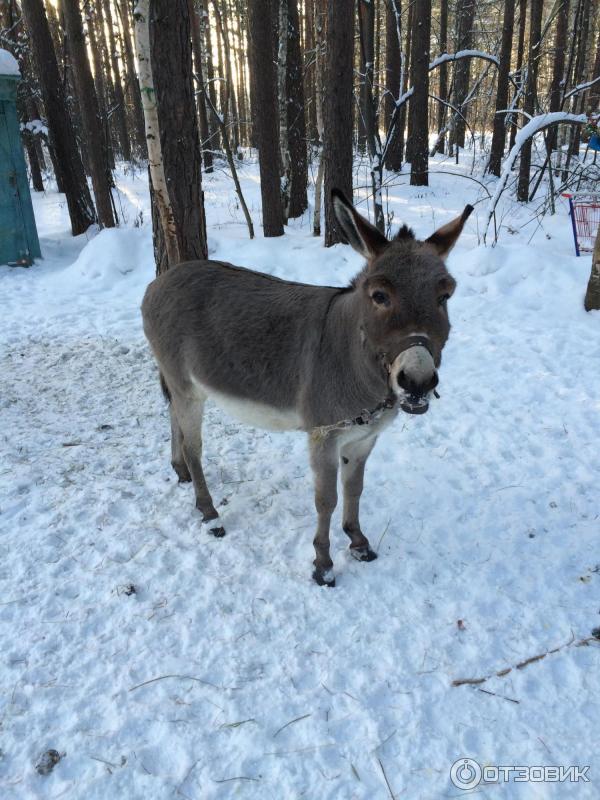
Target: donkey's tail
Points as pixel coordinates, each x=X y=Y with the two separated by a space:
x=165 y=388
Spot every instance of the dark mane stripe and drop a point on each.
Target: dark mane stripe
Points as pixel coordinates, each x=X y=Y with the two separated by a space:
x=405 y=233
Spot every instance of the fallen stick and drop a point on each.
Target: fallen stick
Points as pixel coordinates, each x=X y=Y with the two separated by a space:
x=522 y=664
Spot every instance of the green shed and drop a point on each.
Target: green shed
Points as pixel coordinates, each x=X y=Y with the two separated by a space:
x=19 y=243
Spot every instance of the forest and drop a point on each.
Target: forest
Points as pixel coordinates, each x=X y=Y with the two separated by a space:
x=309 y=84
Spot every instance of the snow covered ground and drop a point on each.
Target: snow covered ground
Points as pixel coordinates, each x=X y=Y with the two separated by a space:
x=226 y=672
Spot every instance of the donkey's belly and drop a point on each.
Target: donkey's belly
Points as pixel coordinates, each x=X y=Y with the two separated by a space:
x=250 y=412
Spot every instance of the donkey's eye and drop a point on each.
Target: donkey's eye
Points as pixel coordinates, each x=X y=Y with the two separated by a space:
x=381 y=298
x=443 y=299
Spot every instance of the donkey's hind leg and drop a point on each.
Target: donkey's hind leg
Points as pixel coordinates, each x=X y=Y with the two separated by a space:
x=177 y=459
x=188 y=414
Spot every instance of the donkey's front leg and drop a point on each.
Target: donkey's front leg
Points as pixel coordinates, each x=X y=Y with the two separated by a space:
x=354 y=458
x=324 y=461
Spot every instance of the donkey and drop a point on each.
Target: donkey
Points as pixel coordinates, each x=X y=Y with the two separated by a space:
x=335 y=362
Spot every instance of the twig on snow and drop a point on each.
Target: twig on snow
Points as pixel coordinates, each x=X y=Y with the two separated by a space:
x=181 y=677
x=387 y=783
x=522 y=664
x=291 y=722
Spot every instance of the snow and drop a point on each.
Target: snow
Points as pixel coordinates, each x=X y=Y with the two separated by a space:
x=228 y=672
x=35 y=126
x=8 y=64
x=445 y=57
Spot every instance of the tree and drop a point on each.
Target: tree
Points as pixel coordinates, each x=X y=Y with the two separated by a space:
x=418 y=110
x=207 y=156
x=366 y=21
x=296 y=124
x=64 y=144
x=465 y=14
x=90 y=113
x=119 y=107
x=264 y=102
x=394 y=74
x=337 y=110
x=171 y=63
x=132 y=85
x=519 y=69
x=592 y=295
x=499 y=131
x=535 y=36
x=443 y=77
x=558 y=69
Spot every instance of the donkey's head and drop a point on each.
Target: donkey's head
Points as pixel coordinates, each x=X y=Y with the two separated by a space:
x=403 y=293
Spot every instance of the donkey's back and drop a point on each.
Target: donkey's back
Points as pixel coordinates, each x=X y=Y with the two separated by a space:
x=232 y=332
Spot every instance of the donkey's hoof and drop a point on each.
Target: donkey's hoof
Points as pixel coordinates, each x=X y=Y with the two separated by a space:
x=182 y=472
x=363 y=553
x=324 y=577
x=218 y=533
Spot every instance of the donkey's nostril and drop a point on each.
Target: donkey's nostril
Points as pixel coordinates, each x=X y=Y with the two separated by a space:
x=417 y=387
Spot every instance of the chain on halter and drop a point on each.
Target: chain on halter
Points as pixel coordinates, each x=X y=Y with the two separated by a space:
x=365 y=417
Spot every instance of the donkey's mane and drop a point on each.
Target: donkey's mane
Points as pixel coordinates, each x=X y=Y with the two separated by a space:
x=405 y=233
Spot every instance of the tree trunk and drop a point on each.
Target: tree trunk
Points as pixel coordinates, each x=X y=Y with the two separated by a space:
x=79 y=201
x=90 y=113
x=394 y=69
x=443 y=77
x=558 y=68
x=595 y=89
x=320 y=25
x=119 y=109
x=100 y=84
x=580 y=73
x=366 y=26
x=366 y=18
x=309 y=78
x=264 y=96
x=419 y=103
x=535 y=35
x=296 y=123
x=171 y=66
x=132 y=83
x=499 y=130
x=337 y=110
x=210 y=68
x=404 y=115
x=282 y=103
x=200 y=100
x=519 y=69
x=465 y=14
x=592 y=295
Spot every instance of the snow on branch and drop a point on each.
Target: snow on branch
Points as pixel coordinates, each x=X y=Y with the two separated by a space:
x=445 y=57
x=581 y=87
x=535 y=125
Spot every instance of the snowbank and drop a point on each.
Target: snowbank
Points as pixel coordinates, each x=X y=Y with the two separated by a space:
x=8 y=64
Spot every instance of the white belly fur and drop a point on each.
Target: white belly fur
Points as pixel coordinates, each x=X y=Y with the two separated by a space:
x=259 y=415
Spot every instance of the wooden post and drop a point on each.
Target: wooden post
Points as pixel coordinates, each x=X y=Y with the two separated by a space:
x=592 y=295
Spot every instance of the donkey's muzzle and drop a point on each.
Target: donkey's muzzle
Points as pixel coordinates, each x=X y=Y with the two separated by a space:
x=414 y=376
x=413 y=404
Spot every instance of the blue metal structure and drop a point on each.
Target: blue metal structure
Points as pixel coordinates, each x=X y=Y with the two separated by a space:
x=19 y=243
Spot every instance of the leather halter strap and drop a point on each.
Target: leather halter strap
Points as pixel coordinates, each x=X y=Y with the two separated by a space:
x=416 y=340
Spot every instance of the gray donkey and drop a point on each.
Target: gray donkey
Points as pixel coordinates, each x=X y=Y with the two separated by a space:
x=335 y=362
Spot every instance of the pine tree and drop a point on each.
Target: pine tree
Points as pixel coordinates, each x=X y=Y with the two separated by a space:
x=63 y=142
x=264 y=102
x=337 y=110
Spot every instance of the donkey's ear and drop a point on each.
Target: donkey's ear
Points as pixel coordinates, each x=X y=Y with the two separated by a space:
x=445 y=237
x=364 y=237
